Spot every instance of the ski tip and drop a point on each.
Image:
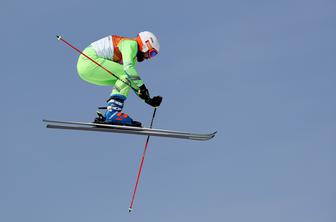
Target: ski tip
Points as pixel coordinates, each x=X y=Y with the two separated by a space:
x=210 y=136
x=213 y=134
x=129 y=210
x=58 y=37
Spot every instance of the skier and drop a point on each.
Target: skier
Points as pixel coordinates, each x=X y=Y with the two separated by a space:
x=119 y=55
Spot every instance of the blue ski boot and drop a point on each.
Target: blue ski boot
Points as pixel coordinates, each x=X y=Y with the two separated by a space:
x=113 y=114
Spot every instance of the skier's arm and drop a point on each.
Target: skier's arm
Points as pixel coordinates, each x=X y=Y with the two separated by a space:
x=129 y=49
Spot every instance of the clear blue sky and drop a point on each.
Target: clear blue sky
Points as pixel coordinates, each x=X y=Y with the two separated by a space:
x=261 y=73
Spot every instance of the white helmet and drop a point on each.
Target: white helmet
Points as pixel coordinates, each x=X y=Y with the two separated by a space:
x=149 y=42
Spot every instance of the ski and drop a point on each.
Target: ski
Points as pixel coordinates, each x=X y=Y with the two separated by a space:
x=68 y=125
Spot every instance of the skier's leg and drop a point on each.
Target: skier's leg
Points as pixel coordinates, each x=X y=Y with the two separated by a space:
x=94 y=74
x=119 y=94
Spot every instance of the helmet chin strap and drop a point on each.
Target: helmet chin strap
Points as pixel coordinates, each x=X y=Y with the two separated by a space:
x=140 y=56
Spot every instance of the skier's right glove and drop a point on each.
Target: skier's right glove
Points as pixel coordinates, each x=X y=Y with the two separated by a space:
x=155 y=101
x=143 y=93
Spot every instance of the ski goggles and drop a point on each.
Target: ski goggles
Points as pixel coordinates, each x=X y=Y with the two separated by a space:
x=151 y=51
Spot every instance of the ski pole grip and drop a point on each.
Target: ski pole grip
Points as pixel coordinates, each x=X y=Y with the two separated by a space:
x=58 y=37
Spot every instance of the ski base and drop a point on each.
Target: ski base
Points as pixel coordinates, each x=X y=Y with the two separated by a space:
x=52 y=124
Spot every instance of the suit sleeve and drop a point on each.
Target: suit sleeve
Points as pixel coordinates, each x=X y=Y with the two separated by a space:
x=129 y=49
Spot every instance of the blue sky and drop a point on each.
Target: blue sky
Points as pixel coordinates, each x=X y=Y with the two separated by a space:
x=261 y=73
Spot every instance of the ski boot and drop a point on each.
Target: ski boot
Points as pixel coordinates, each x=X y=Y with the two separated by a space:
x=113 y=114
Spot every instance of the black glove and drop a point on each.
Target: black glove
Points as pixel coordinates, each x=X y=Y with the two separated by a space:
x=143 y=93
x=155 y=101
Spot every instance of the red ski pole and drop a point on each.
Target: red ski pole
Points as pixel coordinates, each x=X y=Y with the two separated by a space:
x=151 y=124
x=141 y=164
x=80 y=52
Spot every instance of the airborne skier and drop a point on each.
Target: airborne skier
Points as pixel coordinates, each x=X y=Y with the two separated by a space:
x=111 y=61
x=119 y=55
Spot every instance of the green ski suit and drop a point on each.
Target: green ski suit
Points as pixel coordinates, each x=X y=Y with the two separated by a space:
x=124 y=69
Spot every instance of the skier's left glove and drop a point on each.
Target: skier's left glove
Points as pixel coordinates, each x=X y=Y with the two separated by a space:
x=155 y=101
